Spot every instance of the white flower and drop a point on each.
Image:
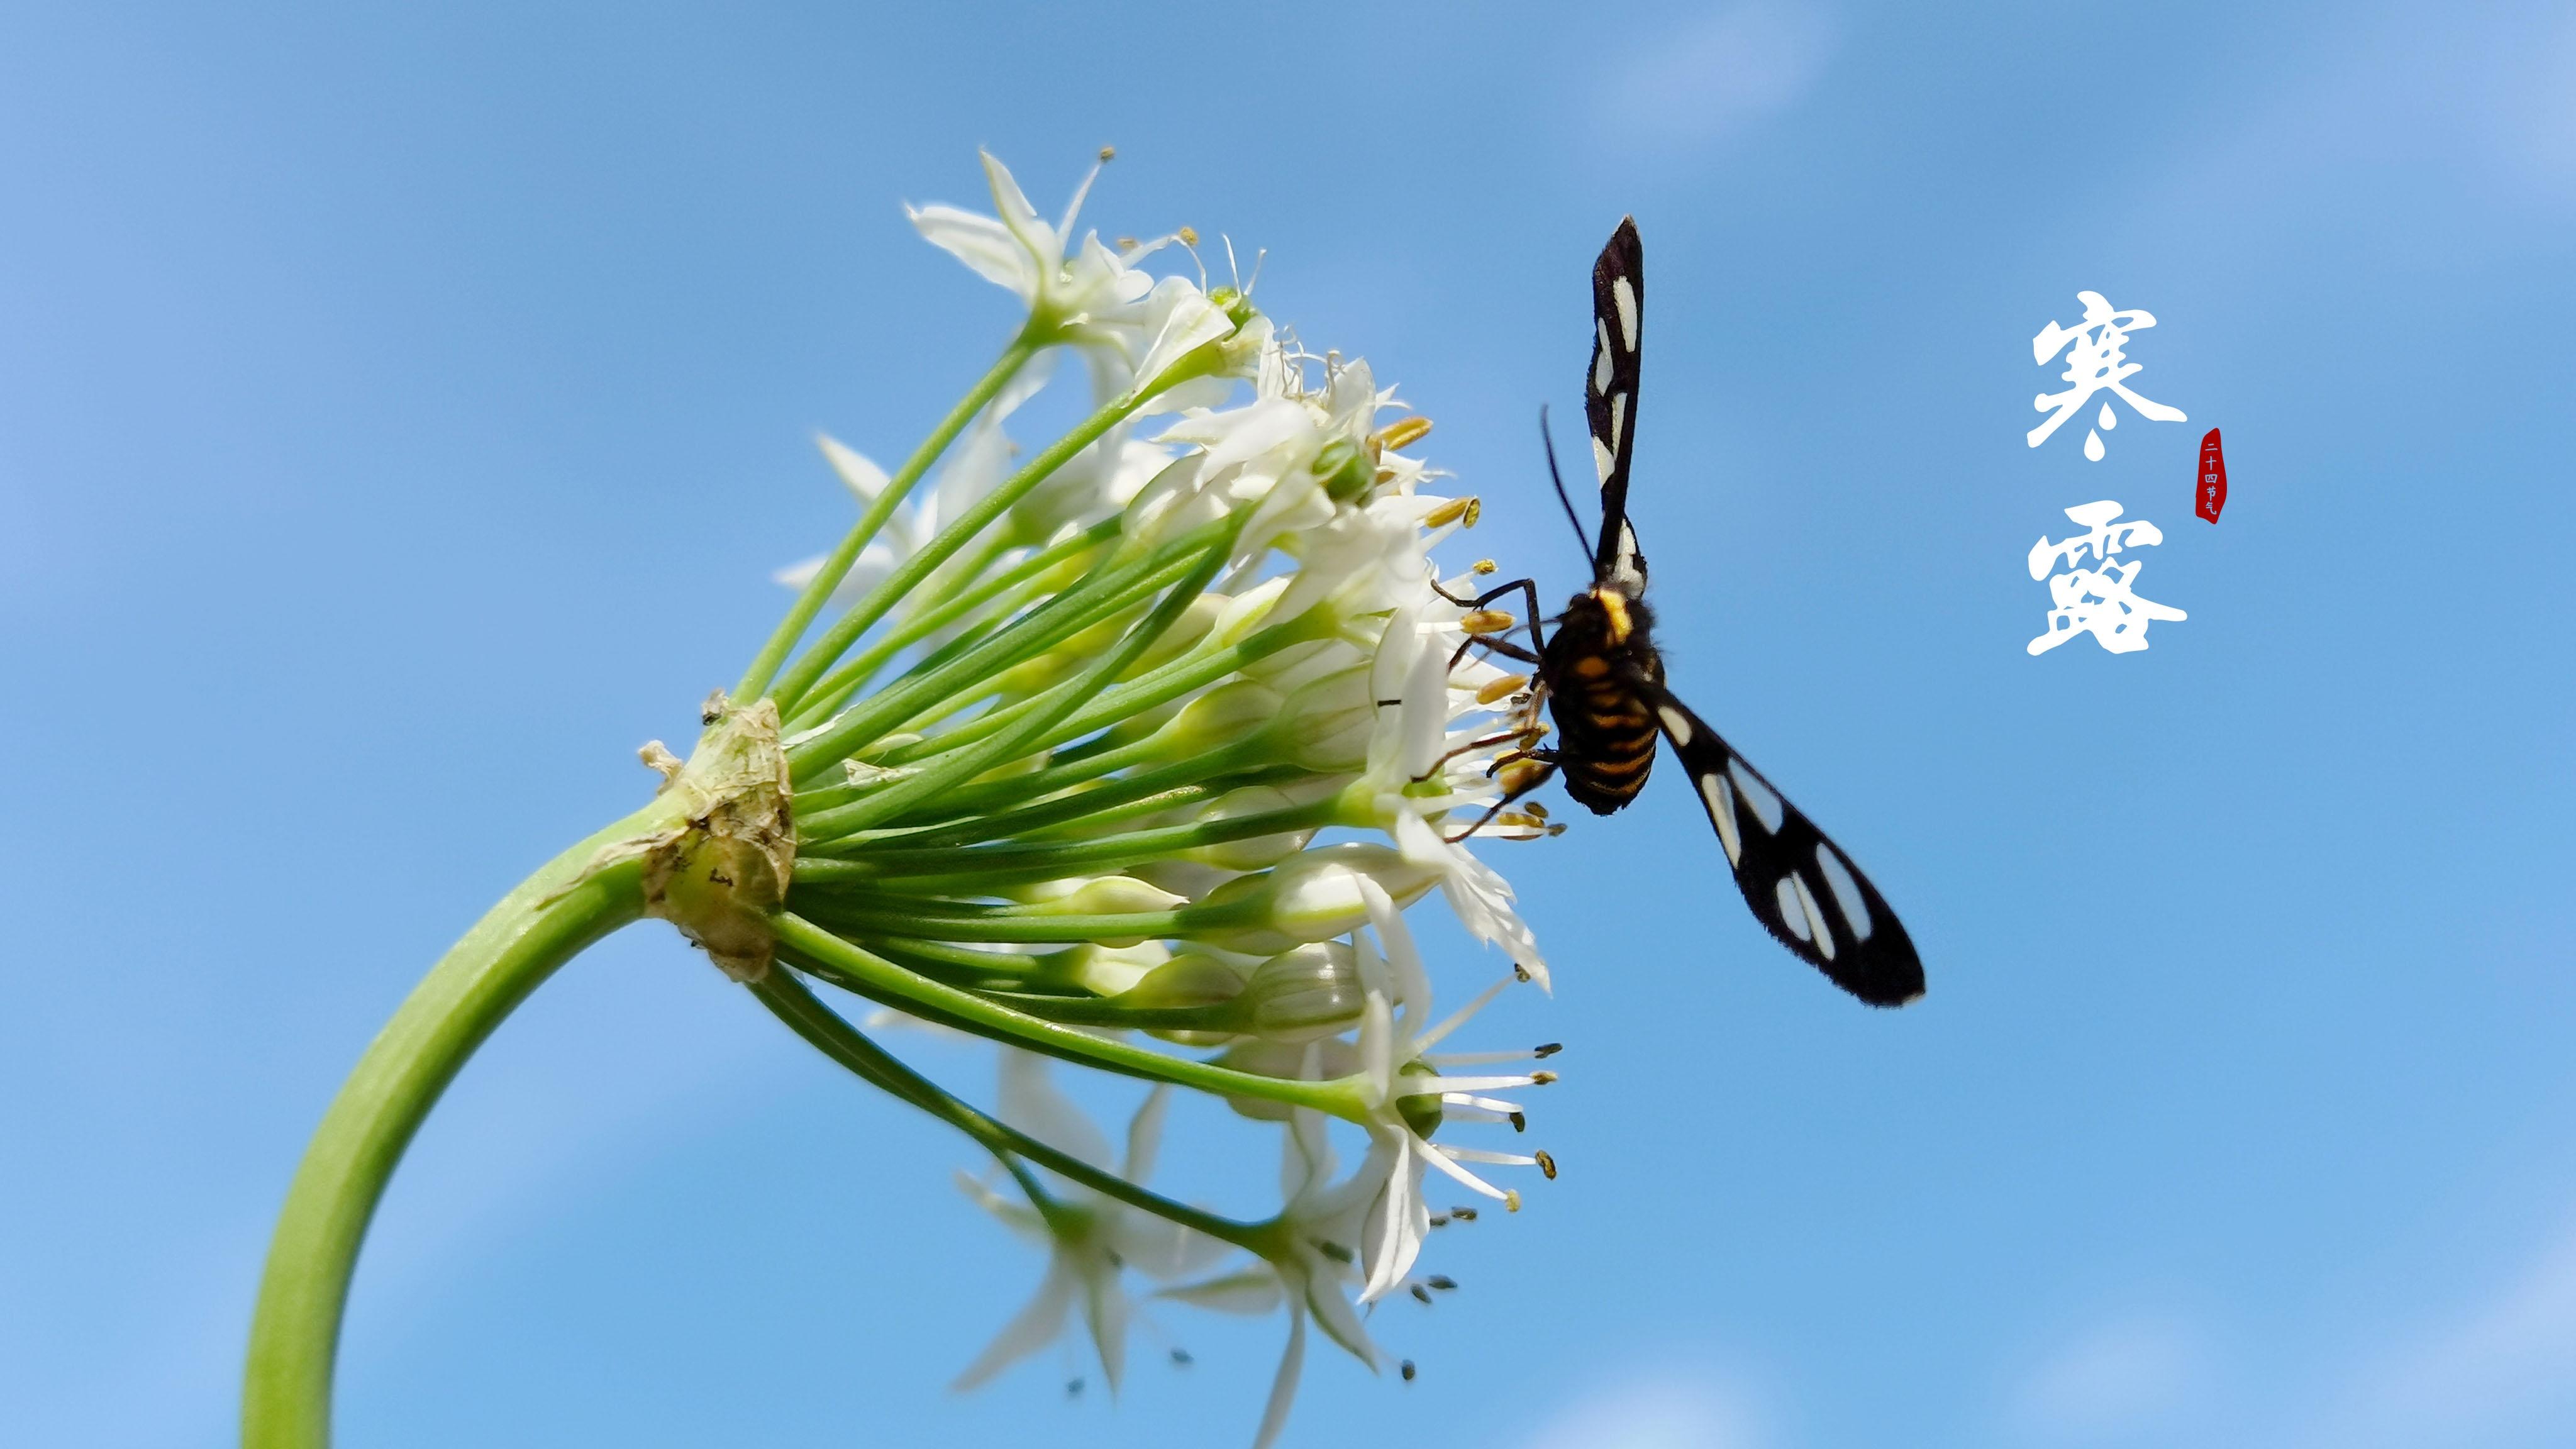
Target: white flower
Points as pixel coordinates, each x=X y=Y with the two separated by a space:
x=1392 y=1055
x=1321 y=1218
x=1418 y=769
x=1020 y=251
x=1129 y=327
x=1091 y=1239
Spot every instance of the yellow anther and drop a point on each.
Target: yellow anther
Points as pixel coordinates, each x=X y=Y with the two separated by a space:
x=1502 y=688
x=1108 y=153
x=1475 y=510
x=1512 y=1201
x=1486 y=621
x=1453 y=510
x=1542 y=1079
x=1522 y=775
x=1484 y=566
x=1189 y=236
x=1537 y=808
x=1402 y=433
x=1546 y=1164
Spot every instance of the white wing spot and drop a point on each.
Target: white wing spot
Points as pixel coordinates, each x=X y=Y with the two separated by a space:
x=1676 y=722
x=1601 y=359
x=1764 y=800
x=1847 y=896
x=1824 y=937
x=1624 y=568
x=1618 y=418
x=1786 y=894
x=1721 y=813
x=1624 y=293
x=1603 y=460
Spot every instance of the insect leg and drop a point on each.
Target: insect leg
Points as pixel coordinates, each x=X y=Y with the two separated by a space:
x=1499 y=645
x=1545 y=772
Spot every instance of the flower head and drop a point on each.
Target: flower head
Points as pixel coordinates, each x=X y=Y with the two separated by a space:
x=1132 y=750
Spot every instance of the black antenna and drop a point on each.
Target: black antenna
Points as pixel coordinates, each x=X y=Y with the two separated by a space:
x=1558 y=479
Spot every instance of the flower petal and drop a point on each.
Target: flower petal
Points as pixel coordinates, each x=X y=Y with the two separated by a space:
x=1252 y=1291
x=1033 y=1328
x=1031 y=1102
x=1283 y=1384
x=982 y=243
x=1145 y=1133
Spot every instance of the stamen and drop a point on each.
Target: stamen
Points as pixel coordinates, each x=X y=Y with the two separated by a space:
x=1490 y=1159
x=1189 y=236
x=1421 y=1295
x=1463 y=1214
x=1484 y=566
x=1458 y=1018
x=1512 y=1202
x=1453 y=510
x=1546 y=1164
x=1462 y=1085
x=1181 y=1358
x=1442 y=1282
x=1503 y=688
x=1403 y=433
x=1406 y=1368
x=1486 y=621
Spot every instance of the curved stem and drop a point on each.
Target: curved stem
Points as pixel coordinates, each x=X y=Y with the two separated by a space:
x=546 y=921
x=824 y=1028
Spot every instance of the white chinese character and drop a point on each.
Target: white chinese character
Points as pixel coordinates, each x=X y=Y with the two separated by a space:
x=2098 y=601
x=2093 y=363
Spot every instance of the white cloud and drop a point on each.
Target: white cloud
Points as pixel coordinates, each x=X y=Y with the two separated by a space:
x=1668 y=1410
x=2112 y=1379
x=1713 y=77
x=2501 y=1366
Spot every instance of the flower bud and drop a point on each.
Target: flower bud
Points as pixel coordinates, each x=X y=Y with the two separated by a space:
x=1315 y=895
x=1108 y=895
x=1247 y=612
x=1288 y=1061
x=1328 y=722
x=1109 y=970
x=1193 y=978
x=1220 y=717
x=1299 y=995
x=1259 y=850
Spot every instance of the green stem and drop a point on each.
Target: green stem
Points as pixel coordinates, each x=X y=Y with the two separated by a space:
x=546 y=921
x=968 y=869
x=845 y=631
x=836 y=687
x=787 y=998
x=940 y=685
x=818 y=590
x=950 y=771
x=884 y=982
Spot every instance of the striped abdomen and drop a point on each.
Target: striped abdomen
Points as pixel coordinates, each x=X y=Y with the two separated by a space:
x=1605 y=733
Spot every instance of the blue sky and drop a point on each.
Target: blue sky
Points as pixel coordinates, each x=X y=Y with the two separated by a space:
x=401 y=412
